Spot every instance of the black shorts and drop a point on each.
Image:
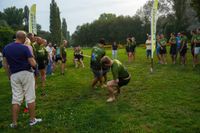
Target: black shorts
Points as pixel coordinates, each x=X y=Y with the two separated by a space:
x=183 y=52
x=123 y=81
x=163 y=50
x=41 y=65
x=78 y=57
x=64 y=59
x=105 y=71
x=1 y=64
x=192 y=50
x=58 y=58
x=173 y=50
x=97 y=73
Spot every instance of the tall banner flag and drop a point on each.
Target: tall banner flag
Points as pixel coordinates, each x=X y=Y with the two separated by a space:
x=153 y=30
x=32 y=20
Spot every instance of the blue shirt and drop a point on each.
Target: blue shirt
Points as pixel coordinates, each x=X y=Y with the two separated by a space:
x=17 y=56
x=178 y=41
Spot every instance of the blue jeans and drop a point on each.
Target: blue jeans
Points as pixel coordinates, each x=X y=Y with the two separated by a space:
x=49 y=68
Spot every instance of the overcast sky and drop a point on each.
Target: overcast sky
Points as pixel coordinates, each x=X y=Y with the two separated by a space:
x=77 y=12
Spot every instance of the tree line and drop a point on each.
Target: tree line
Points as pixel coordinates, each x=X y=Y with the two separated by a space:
x=173 y=16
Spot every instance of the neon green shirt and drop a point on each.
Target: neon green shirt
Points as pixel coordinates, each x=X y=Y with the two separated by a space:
x=63 y=51
x=118 y=70
x=163 y=42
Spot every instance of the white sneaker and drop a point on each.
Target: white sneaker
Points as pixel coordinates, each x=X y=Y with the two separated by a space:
x=13 y=125
x=111 y=99
x=35 y=121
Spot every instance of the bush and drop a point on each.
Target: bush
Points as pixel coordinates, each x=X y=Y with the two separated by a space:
x=6 y=35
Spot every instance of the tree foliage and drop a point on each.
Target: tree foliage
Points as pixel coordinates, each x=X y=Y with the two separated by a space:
x=14 y=17
x=6 y=35
x=64 y=28
x=196 y=5
x=26 y=17
x=110 y=27
x=55 y=23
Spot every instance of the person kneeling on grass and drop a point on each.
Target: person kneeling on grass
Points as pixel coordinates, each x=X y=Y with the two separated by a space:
x=120 y=74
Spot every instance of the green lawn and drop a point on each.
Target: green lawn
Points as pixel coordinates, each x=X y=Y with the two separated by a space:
x=166 y=101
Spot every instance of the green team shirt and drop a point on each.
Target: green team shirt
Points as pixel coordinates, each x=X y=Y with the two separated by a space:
x=118 y=70
x=172 y=40
x=97 y=54
x=184 y=40
x=163 y=42
x=33 y=47
x=41 y=52
x=63 y=51
x=130 y=45
x=197 y=40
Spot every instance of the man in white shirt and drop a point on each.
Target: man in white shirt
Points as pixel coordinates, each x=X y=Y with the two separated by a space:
x=148 y=47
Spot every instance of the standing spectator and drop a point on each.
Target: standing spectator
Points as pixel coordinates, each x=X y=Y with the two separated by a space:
x=97 y=53
x=1 y=59
x=50 y=50
x=130 y=49
x=134 y=46
x=63 y=56
x=163 y=50
x=178 y=43
x=18 y=62
x=158 y=49
x=183 y=48
x=120 y=74
x=148 y=47
x=58 y=58
x=42 y=60
x=173 y=48
x=114 y=50
x=197 y=46
x=193 y=33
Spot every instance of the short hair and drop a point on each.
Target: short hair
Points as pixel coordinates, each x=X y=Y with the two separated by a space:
x=183 y=33
x=30 y=34
x=102 y=41
x=105 y=60
x=20 y=35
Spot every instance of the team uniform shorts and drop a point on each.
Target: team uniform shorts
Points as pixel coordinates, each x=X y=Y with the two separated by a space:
x=124 y=81
x=163 y=50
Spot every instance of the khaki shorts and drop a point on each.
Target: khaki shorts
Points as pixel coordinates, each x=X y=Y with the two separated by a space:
x=23 y=85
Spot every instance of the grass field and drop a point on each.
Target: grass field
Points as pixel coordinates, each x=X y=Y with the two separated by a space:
x=166 y=101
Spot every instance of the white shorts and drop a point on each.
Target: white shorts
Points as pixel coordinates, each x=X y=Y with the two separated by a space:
x=197 y=50
x=23 y=85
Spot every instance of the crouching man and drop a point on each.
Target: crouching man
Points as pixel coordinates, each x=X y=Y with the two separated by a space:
x=121 y=76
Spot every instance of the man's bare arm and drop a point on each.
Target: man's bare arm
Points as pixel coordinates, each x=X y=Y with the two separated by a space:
x=32 y=62
x=6 y=67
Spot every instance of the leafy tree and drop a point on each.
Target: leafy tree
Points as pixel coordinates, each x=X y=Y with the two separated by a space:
x=6 y=35
x=55 y=23
x=26 y=17
x=64 y=28
x=196 y=4
x=14 y=17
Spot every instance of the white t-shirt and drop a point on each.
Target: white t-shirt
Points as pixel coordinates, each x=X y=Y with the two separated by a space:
x=148 y=44
x=50 y=51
